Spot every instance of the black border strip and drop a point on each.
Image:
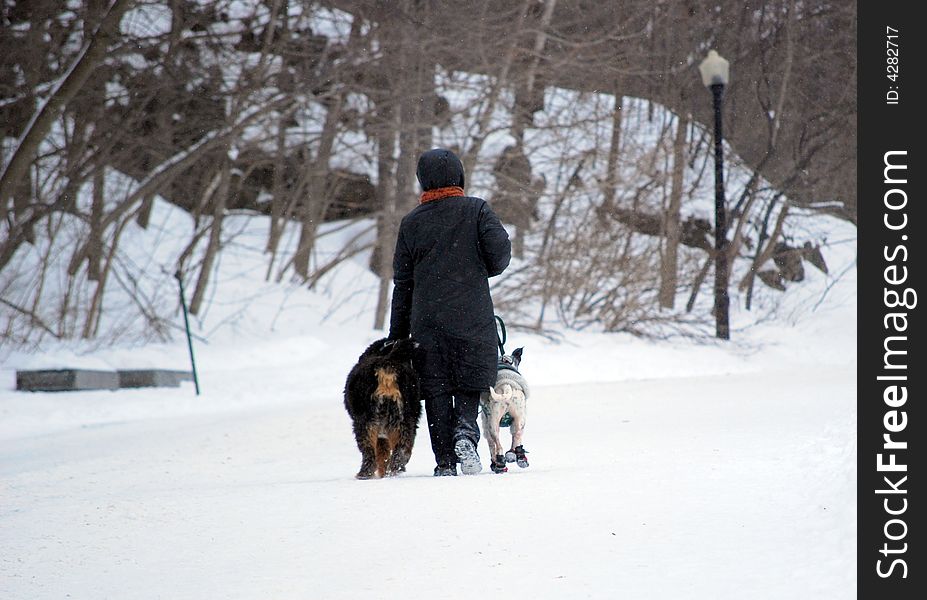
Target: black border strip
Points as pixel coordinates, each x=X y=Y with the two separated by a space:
x=892 y=224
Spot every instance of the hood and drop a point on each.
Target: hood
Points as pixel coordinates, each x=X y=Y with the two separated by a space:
x=439 y=168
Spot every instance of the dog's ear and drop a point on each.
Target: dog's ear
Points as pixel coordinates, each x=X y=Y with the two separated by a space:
x=516 y=355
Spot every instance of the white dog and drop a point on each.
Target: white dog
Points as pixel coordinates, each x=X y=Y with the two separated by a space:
x=508 y=398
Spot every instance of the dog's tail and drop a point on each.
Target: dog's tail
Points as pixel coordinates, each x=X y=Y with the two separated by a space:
x=382 y=445
x=506 y=394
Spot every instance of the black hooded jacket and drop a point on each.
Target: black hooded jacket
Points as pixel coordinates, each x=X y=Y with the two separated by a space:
x=445 y=253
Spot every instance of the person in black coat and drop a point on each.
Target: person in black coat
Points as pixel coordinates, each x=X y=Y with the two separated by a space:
x=448 y=248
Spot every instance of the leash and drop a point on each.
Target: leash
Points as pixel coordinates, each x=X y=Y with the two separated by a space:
x=501 y=339
x=506 y=420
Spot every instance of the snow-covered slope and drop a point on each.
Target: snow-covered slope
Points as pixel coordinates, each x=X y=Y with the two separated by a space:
x=253 y=332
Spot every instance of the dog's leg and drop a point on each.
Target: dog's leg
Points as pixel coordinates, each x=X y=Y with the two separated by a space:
x=381 y=449
x=501 y=405
x=496 y=410
x=365 y=443
x=486 y=419
x=493 y=435
x=485 y=416
x=519 y=420
x=403 y=451
x=398 y=456
x=398 y=459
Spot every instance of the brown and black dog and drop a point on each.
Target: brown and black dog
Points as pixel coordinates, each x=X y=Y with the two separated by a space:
x=382 y=397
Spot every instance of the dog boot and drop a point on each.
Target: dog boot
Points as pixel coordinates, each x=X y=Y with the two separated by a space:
x=498 y=464
x=445 y=470
x=510 y=456
x=520 y=459
x=468 y=457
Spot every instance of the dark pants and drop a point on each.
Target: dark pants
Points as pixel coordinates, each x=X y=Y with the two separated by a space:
x=451 y=416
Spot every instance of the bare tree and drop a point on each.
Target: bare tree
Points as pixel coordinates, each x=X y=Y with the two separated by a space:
x=587 y=121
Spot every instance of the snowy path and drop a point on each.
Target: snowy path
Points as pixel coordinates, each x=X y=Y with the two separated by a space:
x=723 y=487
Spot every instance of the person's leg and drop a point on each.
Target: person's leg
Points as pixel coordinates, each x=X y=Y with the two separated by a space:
x=466 y=409
x=466 y=431
x=439 y=411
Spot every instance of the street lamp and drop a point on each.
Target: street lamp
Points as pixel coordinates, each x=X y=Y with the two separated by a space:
x=715 y=76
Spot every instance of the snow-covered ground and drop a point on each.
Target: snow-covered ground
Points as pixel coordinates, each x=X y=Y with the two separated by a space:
x=738 y=486
x=659 y=469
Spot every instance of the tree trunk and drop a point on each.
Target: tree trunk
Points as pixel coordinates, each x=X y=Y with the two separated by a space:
x=95 y=243
x=215 y=240
x=697 y=284
x=23 y=208
x=521 y=115
x=614 y=148
x=92 y=323
x=279 y=201
x=411 y=86
x=316 y=202
x=144 y=213
x=671 y=226
x=3 y=204
x=764 y=248
x=386 y=192
x=317 y=195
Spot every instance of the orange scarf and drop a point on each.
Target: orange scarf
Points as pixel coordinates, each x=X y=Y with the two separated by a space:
x=438 y=193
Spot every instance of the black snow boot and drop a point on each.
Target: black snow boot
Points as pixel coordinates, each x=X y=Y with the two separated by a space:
x=445 y=470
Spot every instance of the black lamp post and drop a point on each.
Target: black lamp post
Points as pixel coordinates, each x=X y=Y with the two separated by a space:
x=715 y=75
